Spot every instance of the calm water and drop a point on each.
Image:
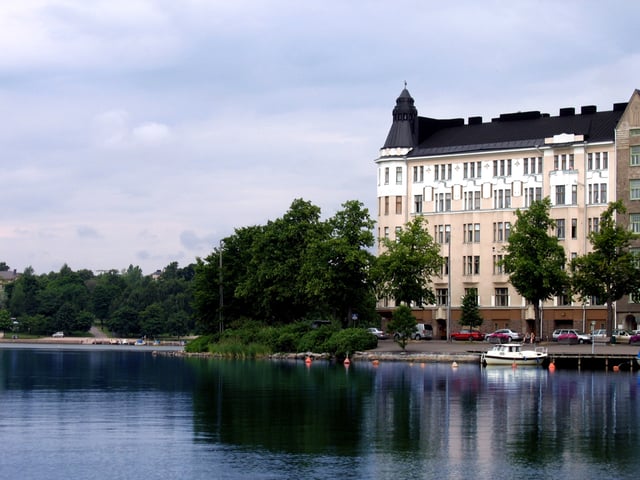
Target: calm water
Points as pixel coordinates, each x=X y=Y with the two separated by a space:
x=100 y=413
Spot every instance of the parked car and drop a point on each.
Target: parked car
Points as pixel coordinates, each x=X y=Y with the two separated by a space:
x=620 y=336
x=58 y=335
x=568 y=337
x=600 y=335
x=634 y=339
x=567 y=333
x=469 y=335
x=423 y=331
x=378 y=333
x=504 y=335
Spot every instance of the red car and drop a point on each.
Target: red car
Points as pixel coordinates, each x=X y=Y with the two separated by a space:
x=468 y=335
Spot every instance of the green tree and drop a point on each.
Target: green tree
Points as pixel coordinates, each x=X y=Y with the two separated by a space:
x=403 y=324
x=534 y=259
x=5 y=321
x=610 y=270
x=337 y=265
x=470 y=311
x=404 y=269
x=274 y=281
x=152 y=320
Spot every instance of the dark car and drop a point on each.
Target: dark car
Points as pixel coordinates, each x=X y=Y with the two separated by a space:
x=568 y=338
x=468 y=335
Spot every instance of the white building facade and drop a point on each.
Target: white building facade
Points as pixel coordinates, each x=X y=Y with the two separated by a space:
x=467 y=178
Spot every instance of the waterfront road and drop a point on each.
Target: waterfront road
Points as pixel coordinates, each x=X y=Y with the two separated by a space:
x=443 y=347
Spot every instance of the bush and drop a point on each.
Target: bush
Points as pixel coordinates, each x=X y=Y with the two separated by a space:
x=316 y=339
x=200 y=344
x=350 y=340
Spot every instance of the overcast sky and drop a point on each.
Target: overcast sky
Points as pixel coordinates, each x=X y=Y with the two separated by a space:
x=140 y=132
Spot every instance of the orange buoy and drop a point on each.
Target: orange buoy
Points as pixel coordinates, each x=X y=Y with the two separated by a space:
x=552 y=367
x=514 y=365
x=347 y=362
x=616 y=368
x=307 y=360
x=375 y=363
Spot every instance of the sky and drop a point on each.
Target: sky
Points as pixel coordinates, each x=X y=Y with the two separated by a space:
x=141 y=132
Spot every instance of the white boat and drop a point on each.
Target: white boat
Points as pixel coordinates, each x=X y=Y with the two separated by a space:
x=513 y=354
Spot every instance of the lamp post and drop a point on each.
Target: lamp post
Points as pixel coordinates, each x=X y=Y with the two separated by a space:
x=221 y=293
x=448 y=237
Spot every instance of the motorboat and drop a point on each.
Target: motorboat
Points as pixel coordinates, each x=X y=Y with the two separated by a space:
x=513 y=354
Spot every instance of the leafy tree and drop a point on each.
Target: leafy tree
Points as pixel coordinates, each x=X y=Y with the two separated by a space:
x=404 y=269
x=5 y=321
x=4 y=267
x=274 y=281
x=152 y=321
x=610 y=270
x=337 y=265
x=470 y=311
x=534 y=259
x=403 y=324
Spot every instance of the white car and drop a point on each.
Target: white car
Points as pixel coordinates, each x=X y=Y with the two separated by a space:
x=504 y=335
x=58 y=335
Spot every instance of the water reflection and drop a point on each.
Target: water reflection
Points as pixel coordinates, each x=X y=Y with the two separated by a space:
x=201 y=418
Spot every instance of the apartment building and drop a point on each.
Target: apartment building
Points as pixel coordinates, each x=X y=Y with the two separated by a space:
x=468 y=177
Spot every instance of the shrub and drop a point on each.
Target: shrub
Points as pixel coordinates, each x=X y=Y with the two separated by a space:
x=350 y=340
x=200 y=344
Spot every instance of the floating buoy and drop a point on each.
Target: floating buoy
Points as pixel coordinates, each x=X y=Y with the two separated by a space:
x=514 y=365
x=422 y=365
x=307 y=360
x=552 y=367
x=454 y=365
x=375 y=363
x=347 y=362
x=616 y=368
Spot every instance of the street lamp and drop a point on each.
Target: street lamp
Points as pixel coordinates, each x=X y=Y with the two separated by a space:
x=448 y=238
x=220 y=319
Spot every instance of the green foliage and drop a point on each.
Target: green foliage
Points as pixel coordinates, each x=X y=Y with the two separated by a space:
x=403 y=323
x=345 y=342
x=316 y=339
x=200 y=344
x=534 y=258
x=610 y=270
x=5 y=321
x=470 y=311
x=404 y=270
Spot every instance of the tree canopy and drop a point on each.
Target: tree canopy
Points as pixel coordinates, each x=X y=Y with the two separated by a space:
x=535 y=260
x=404 y=269
x=610 y=270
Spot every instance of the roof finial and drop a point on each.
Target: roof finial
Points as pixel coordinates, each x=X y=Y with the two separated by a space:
x=405 y=84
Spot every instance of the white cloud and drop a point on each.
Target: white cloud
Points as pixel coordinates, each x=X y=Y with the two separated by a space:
x=142 y=131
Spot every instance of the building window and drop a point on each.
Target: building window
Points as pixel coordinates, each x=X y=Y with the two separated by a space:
x=501 y=231
x=563 y=162
x=386 y=232
x=594 y=224
x=442 y=296
x=598 y=161
x=442 y=172
x=471 y=170
x=472 y=200
x=386 y=176
x=560 y=228
x=635 y=156
x=443 y=202
x=502 y=297
x=560 y=194
x=398 y=232
x=498 y=269
x=532 y=194
x=386 y=205
x=417 y=203
x=574 y=228
x=502 y=168
x=418 y=174
x=398 y=205
x=532 y=165
x=471 y=233
x=471 y=265
x=597 y=193
x=574 y=194
x=634 y=189
x=398 y=175
x=502 y=198
x=634 y=222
